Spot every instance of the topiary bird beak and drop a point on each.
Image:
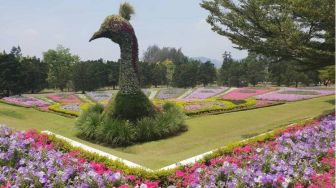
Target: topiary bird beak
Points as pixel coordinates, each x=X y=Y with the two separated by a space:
x=96 y=35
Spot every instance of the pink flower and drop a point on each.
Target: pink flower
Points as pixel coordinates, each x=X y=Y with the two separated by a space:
x=123 y=186
x=298 y=185
x=247 y=149
x=131 y=177
x=179 y=173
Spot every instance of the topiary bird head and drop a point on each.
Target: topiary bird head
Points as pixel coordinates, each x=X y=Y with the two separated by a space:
x=117 y=27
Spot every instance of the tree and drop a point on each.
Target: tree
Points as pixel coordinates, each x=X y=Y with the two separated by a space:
x=255 y=69
x=224 y=75
x=113 y=73
x=207 y=73
x=170 y=69
x=186 y=74
x=60 y=61
x=11 y=74
x=327 y=73
x=300 y=30
x=154 y=54
x=35 y=74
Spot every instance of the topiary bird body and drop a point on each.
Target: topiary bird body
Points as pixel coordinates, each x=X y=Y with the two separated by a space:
x=130 y=103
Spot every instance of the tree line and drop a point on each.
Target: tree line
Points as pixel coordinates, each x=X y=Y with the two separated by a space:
x=160 y=66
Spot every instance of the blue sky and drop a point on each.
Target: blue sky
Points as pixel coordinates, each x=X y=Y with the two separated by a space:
x=38 y=25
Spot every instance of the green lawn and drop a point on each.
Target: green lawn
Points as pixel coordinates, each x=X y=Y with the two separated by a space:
x=205 y=132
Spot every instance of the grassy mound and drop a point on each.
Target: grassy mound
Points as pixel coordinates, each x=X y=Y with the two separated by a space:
x=96 y=126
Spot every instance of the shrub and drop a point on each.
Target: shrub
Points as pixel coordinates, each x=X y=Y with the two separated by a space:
x=89 y=120
x=166 y=124
x=115 y=132
x=95 y=125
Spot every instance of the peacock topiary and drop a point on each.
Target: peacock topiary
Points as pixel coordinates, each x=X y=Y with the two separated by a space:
x=130 y=103
x=130 y=117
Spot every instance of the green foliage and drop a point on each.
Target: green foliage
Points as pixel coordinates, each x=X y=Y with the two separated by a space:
x=11 y=75
x=328 y=73
x=115 y=132
x=170 y=69
x=60 y=62
x=94 y=125
x=207 y=73
x=113 y=73
x=130 y=107
x=185 y=74
x=162 y=125
x=21 y=74
x=300 y=30
x=232 y=72
x=126 y=10
x=154 y=54
x=89 y=120
x=35 y=73
x=152 y=74
x=89 y=75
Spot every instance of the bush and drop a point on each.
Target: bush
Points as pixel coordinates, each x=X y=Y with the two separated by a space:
x=89 y=120
x=115 y=132
x=95 y=125
x=166 y=124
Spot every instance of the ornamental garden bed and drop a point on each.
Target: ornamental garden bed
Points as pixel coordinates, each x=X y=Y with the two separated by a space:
x=203 y=93
x=195 y=107
x=101 y=97
x=244 y=93
x=28 y=102
x=64 y=98
x=294 y=94
x=170 y=93
x=297 y=156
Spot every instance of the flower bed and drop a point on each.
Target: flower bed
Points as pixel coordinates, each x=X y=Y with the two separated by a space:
x=299 y=157
x=27 y=102
x=203 y=93
x=293 y=94
x=170 y=93
x=243 y=93
x=65 y=98
x=101 y=97
x=69 y=109
x=196 y=107
x=29 y=159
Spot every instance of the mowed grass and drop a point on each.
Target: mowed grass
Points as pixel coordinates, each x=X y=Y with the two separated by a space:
x=205 y=132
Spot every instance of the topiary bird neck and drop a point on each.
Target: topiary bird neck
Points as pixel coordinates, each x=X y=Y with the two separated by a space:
x=129 y=79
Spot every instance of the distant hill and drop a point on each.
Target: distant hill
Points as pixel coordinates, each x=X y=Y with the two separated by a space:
x=217 y=62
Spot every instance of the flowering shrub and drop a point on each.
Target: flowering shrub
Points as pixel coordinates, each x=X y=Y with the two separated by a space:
x=29 y=159
x=203 y=93
x=298 y=157
x=65 y=98
x=170 y=93
x=293 y=94
x=243 y=93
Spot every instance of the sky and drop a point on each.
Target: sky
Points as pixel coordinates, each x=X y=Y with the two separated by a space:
x=39 y=25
